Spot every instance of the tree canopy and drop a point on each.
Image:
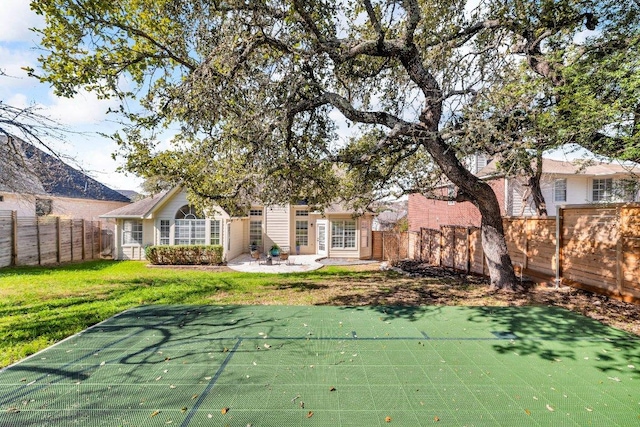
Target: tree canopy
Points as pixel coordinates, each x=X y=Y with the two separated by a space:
x=261 y=91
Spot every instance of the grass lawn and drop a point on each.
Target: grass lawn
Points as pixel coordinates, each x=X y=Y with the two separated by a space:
x=39 y=306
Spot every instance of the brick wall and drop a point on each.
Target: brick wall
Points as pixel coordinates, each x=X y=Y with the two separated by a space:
x=426 y=213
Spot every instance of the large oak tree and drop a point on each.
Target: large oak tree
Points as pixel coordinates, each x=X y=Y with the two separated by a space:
x=259 y=91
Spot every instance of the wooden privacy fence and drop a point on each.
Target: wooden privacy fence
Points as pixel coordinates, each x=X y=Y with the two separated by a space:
x=47 y=240
x=596 y=247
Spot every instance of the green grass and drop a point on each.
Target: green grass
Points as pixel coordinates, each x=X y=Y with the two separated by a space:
x=42 y=305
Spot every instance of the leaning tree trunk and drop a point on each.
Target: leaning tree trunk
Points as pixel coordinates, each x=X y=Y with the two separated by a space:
x=494 y=244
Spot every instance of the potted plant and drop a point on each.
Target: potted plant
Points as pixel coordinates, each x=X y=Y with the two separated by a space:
x=297 y=248
x=275 y=250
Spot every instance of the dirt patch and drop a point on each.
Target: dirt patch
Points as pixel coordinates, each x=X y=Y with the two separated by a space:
x=473 y=290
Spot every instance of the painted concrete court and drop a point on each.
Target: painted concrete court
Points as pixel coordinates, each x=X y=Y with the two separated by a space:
x=331 y=366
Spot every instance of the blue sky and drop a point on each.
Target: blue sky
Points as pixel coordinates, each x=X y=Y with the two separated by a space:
x=83 y=114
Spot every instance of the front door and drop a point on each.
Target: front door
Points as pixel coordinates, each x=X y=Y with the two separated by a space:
x=322 y=237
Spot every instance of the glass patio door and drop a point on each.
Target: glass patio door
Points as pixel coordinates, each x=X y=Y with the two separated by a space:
x=322 y=237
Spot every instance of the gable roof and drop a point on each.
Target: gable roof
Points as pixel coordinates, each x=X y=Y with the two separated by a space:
x=139 y=209
x=558 y=167
x=44 y=174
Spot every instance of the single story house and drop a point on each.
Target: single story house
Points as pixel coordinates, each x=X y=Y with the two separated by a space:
x=168 y=219
x=562 y=183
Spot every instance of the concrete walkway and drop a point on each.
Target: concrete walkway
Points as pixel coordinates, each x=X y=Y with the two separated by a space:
x=295 y=264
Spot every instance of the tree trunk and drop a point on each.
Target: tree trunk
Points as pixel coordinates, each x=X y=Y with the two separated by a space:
x=534 y=185
x=494 y=245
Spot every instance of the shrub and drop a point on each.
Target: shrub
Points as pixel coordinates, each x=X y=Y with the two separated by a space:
x=184 y=254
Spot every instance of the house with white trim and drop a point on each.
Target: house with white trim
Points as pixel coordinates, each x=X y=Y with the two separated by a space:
x=168 y=219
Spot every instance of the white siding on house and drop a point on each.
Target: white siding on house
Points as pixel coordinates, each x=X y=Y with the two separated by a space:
x=276 y=226
x=234 y=247
x=168 y=211
x=578 y=191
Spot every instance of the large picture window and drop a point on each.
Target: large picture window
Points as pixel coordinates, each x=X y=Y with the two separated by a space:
x=132 y=232
x=343 y=234
x=190 y=227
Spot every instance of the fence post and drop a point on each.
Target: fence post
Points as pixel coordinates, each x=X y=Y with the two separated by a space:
x=71 y=234
x=83 y=240
x=59 y=241
x=100 y=240
x=525 y=262
x=469 y=254
x=38 y=240
x=559 y=213
x=440 y=249
x=14 y=238
x=619 y=253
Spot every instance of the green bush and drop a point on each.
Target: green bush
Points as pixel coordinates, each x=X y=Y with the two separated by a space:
x=184 y=254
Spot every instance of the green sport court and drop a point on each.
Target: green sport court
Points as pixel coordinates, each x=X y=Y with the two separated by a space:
x=331 y=366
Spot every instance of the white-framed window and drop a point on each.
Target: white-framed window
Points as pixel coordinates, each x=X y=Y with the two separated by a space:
x=190 y=227
x=190 y=232
x=216 y=232
x=255 y=232
x=343 y=234
x=132 y=232
x=165 y=232
x=602 y=190
x=451 y=194
x=560 y=190
x=302 y=212
x=302 y=233
x=255 y=212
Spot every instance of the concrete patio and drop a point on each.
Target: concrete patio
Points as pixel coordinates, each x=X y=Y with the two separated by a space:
x=295 y=264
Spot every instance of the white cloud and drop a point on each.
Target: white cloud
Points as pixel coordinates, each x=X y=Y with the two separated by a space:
x=16 y=17
x=83 y=109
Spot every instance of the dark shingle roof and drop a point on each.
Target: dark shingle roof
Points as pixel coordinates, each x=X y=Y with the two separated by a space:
x=52 y=176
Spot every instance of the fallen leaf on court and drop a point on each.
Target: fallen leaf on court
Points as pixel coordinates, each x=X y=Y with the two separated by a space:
x=172 y=386
x=13 y=410
x=387 y=419
x=302 y=404
x=332 y=389
x=310 y=414
x=528 y=412
x=224 y=411
x=614 y=379
x=183 y=409
x=549 y=407
x=209 y=415
x=265 y=345
x=195 y=396
x=103 y=363
x=158 y=379
x=588 y=409
x=154 y=413
x=169 y=422
x=436 y=418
